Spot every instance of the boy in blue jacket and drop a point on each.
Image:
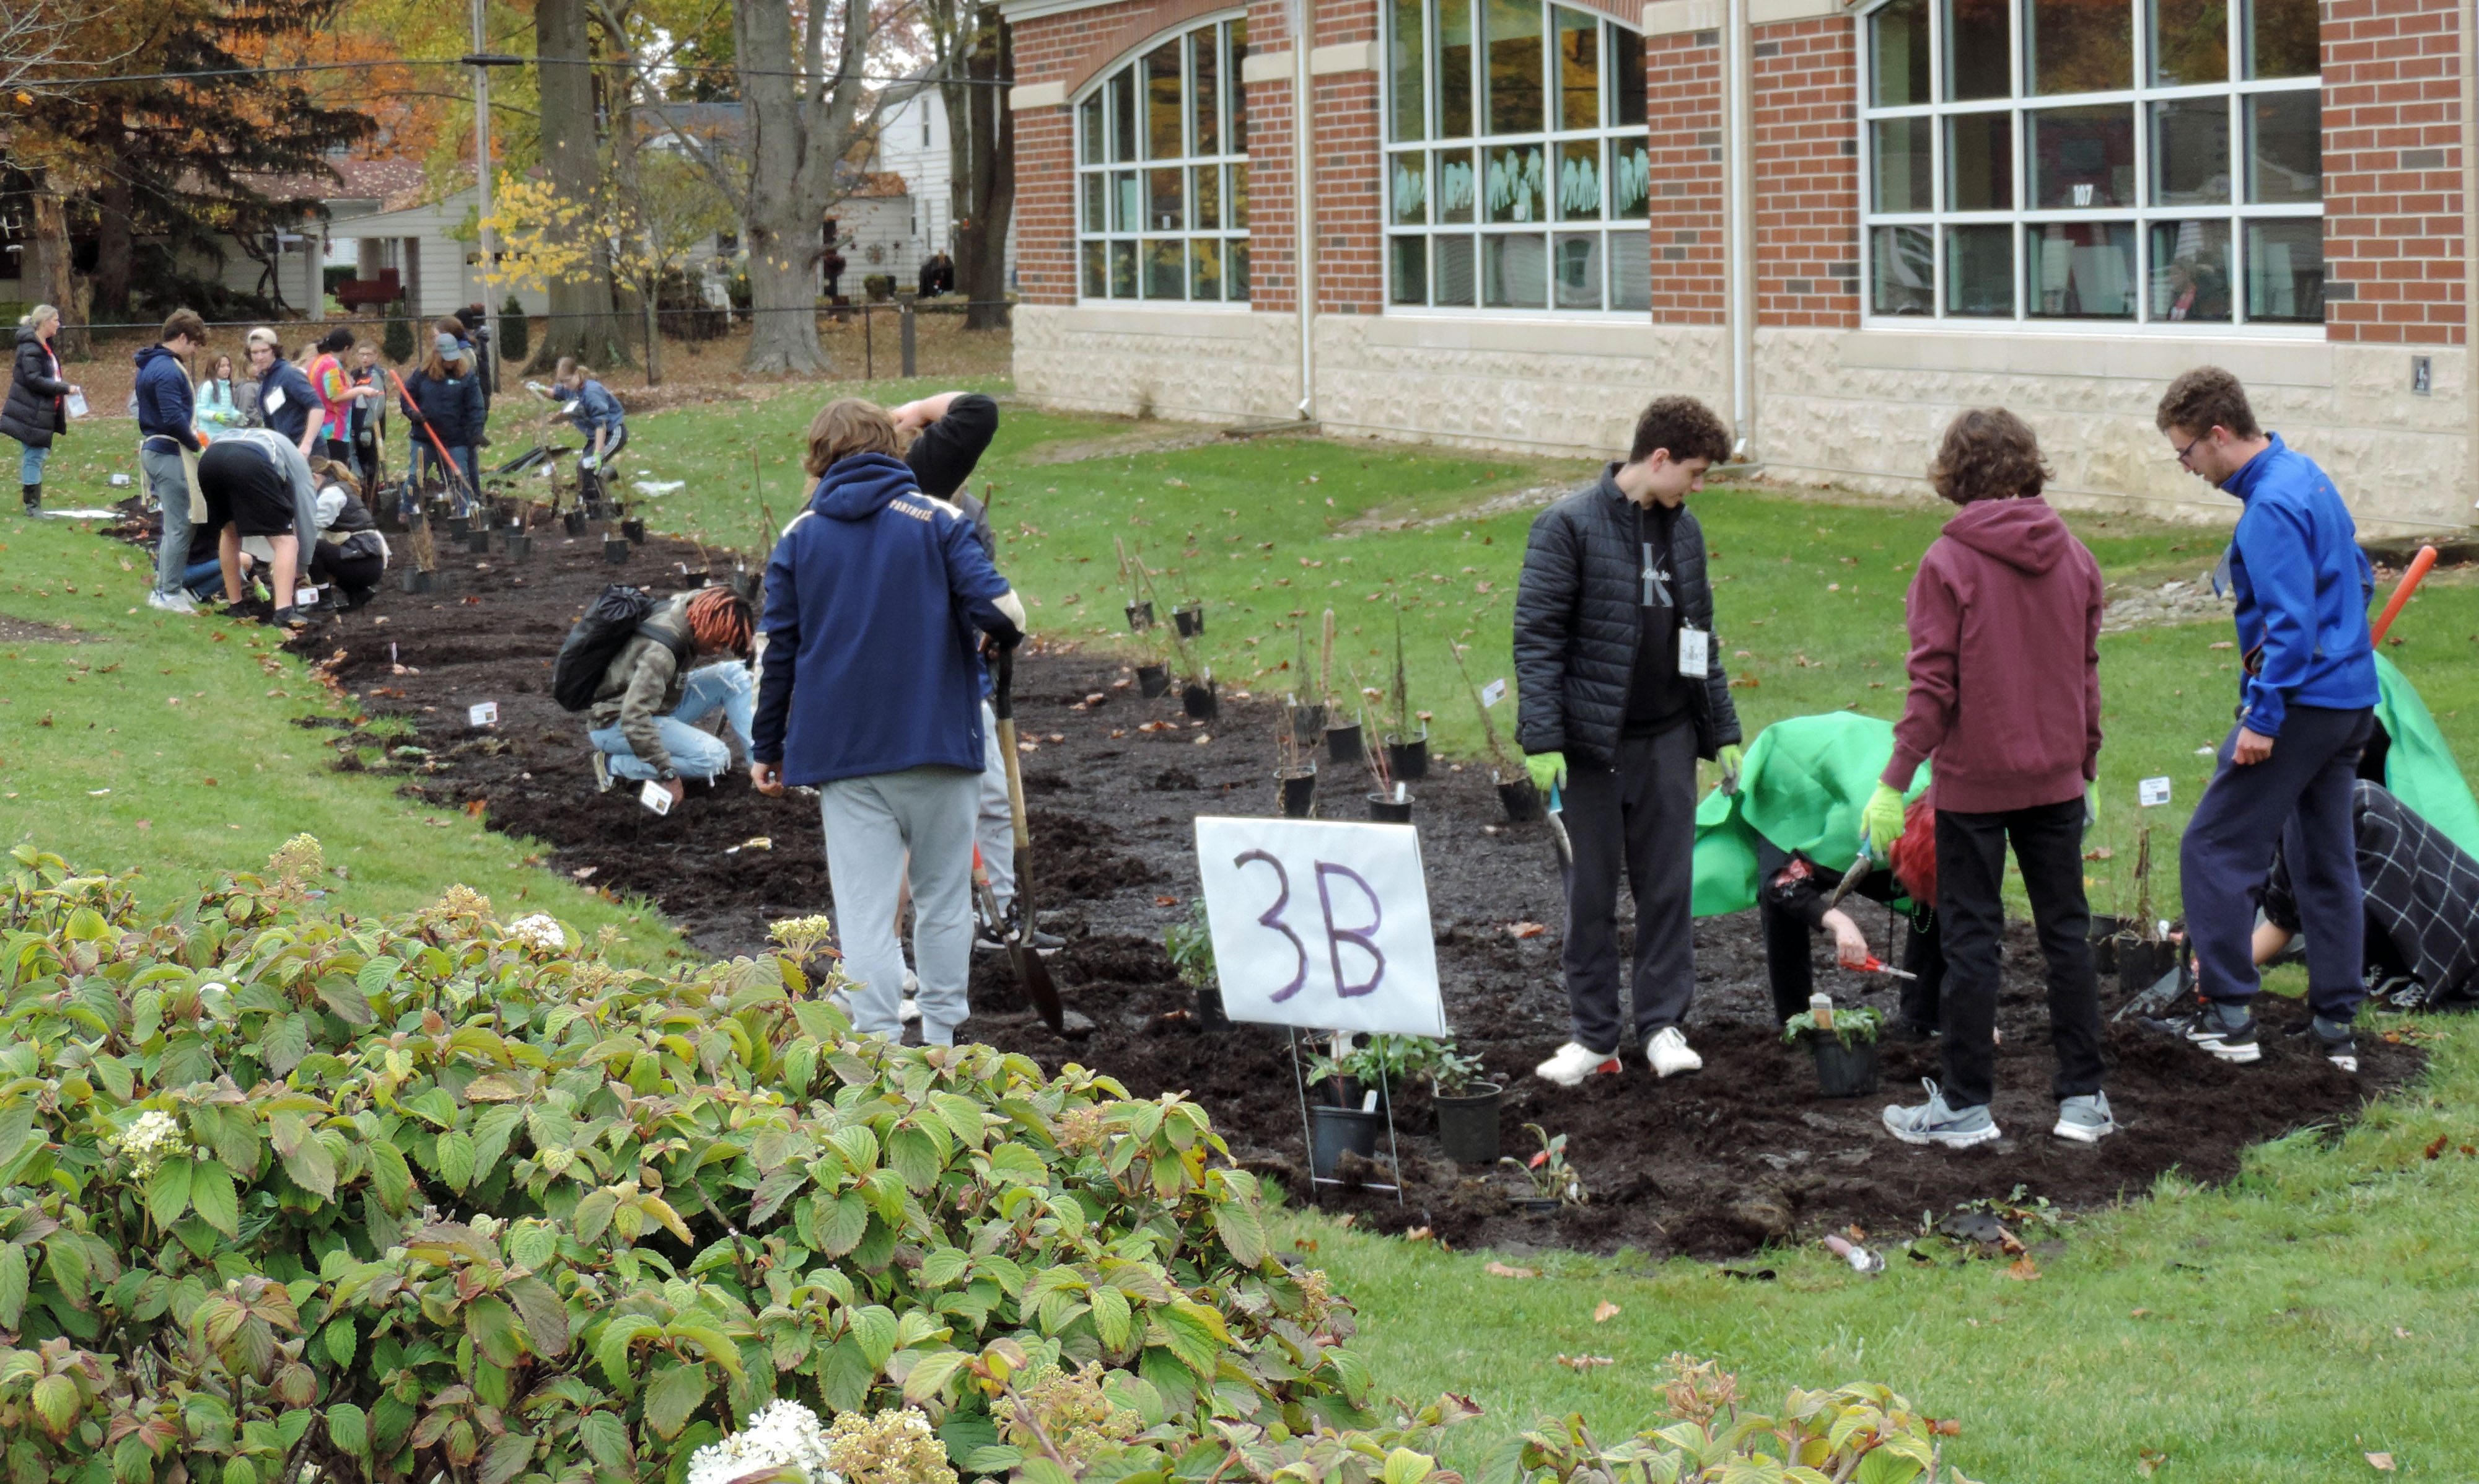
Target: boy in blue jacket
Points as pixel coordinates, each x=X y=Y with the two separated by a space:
x=872 y=693
x=167 y=438
x=2306 y=708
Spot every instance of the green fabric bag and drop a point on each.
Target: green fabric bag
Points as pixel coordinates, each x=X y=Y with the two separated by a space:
x=2419 y=770
x=1801 y=785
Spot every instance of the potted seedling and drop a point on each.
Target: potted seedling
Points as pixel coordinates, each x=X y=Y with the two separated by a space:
x=1308 y=717
x=1344 y=744
x=2146 y=949
x=1190 y=618
x=1407 y=752
x=1190 y=942
x=1295 y=778
x=1467 y=1106
x=1344 y=1117
x=1843 y=1043
x=1555 y=1183
x=1516 y=792
x=1390 y=802
x=1140 y=611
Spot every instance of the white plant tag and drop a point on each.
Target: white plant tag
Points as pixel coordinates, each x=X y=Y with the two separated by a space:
x=2152 y=792
x=77 y=404
x=1493 y=693
x=654 y=796
x=484 y=714
x=1695 y=652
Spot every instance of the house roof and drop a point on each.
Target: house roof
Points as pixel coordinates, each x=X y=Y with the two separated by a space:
x=361 y=180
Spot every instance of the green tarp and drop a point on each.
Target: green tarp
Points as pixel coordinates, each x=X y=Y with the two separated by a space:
x=2419 y=768
x=1801 y=786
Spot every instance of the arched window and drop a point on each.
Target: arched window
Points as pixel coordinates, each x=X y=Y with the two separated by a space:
x=1517 y=170
x=1161 y=174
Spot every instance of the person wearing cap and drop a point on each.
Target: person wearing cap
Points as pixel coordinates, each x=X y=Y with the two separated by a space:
x=286 y=399
x=443 y=402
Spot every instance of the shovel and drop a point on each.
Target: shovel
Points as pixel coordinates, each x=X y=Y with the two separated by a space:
x=1859 y=871
x=1030 y=971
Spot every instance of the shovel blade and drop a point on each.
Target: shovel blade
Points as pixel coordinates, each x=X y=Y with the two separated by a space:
x=1035 y=976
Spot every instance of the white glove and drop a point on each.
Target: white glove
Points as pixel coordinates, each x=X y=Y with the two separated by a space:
x=588 y=464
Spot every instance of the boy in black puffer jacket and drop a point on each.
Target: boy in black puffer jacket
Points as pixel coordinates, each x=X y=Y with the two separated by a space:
x=1622 y=692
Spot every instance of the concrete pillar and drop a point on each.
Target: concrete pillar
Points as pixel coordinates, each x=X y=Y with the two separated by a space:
x=413 y=303
x=370 y=257
x=314 y=270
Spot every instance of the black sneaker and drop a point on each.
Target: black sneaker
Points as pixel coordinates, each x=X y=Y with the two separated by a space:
x=2212 y=1029
x=1043 y=943
x=2332 y=1041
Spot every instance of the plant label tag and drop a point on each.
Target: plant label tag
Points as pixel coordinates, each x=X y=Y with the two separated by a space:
x=273 y=401
x=654 y=796
x=2152 y=792
x=77 y=404
x=1493 y=693
x=484 y=714
x=1694 y=654
x=304 y=596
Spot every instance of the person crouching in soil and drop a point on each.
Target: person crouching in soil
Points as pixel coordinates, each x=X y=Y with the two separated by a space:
x=655 y=691
x=256 y=483
x=872 y=693
x=1791 y=902
x=349 y=556
x=2005 y=699
x=1622 y=693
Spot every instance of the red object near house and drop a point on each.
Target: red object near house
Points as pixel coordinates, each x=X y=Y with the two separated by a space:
x=377 y=292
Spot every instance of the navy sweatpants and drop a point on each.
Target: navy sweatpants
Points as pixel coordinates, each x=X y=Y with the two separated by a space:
x=2302 y=789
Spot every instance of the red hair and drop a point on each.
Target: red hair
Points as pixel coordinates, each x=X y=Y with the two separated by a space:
x=1914 y=855
x=719 y=620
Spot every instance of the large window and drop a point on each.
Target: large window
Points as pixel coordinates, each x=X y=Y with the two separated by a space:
x=1517 y=173
x=1161 y=174
x=2108 y=162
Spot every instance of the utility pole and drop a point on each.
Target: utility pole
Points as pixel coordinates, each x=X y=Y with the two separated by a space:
x=482 y=62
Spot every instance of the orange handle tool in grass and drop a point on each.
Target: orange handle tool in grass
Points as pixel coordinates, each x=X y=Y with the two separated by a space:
x=432 y=433
x=2419 y=568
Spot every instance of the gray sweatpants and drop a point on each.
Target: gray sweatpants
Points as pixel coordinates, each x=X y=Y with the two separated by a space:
x=167 y=480
x=994 y=827
x=870 y=823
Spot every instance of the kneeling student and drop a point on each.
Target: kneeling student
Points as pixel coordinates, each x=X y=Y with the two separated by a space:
x=1791 y=895
x=648 y=698
x=2421 y=939
x=349 y=556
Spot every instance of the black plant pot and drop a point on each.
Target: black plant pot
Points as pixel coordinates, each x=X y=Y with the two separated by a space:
x=413 y=579
x=573 y=521
x=2142 y=961
x=1467 y=1124
x=415 y=519
x=1153 y=679
x=520 y=546
x=2106 y=936
x=1388 y=811
x=1521 y=799
x=1341 y=1129
x=1535 y=1205
x=1308 y=724
x=1342 y=744
x=457 y=526
x=1198 y=700
x=635 y=530
x=1191 y=619
x=1844 y=1072
x=615 y=551
x=1299 y=792
x=477 y=541
x=1210 y=1013
x=1406 y=760
x=1140 y=617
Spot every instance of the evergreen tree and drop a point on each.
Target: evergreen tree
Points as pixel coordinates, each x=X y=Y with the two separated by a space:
x=513 y=331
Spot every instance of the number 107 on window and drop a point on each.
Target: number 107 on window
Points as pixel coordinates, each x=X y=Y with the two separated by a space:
x=1321 y=924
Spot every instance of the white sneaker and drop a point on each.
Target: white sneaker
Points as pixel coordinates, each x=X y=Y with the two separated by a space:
x=1670 y=1054
x=908 y=1008
x=601 y=771
x=171 y=602
x=1574 y=1062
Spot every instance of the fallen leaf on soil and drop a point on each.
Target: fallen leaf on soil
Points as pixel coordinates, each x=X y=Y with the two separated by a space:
x=2023 y=1269
x=1525 y=930
x=1945 y=1427
x=1166 y=901
x=758 y=842
x=1604 y=1312
x=475 y=807
x=2436 y=1150
x=1419 y=1234
x=2382 y=1463
x=1584 y=1362
x=2400 y=1333
x=584 y=872
x=2225 y=644
x=2102 y=854
x=1502 y=1270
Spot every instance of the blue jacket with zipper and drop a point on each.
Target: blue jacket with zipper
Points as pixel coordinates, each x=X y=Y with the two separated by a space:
x=594 y=407
x=164 y=401
x=452 y=407
x=2302 y=586
x=873 y=597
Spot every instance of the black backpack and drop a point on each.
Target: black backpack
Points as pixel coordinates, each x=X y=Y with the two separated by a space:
x=607 y=626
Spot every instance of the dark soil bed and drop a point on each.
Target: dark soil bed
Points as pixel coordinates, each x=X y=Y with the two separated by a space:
x=1712 y=1165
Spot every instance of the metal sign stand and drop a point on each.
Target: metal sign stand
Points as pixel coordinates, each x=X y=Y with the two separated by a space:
x=1307 y=1131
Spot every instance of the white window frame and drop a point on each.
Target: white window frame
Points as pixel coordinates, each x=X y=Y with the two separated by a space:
x=1232 y=166
x=1608 y=225
x=2236 y=214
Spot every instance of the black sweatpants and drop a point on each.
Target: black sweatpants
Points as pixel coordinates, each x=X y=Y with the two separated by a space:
x=1970 y=911
x=1789 y=946
x=1640 y=817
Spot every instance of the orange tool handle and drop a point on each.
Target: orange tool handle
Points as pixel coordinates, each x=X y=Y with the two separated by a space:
x=2419 y=568
x=432 y=433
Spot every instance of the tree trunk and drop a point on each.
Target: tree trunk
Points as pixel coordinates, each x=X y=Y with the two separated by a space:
x=52 y=272
x=114 y=243
x=980 y=149
x=582 y=320
x=793 y=144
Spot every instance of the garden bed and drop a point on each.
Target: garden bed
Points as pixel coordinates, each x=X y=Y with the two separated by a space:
x=1715 y=1164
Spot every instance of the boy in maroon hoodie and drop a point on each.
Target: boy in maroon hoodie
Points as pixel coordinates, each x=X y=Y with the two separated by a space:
x=2004 y=673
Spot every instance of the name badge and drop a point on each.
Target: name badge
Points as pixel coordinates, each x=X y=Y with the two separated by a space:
x=1695 y=652
x=273 y=401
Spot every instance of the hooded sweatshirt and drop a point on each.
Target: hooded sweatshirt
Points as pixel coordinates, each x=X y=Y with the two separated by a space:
x=2004 y=664
x=165 y=407
x=873 y=597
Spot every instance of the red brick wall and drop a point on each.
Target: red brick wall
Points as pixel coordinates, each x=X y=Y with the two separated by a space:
x=1683 y=76
x=1350 y=178
x=2392 y=173
x=1804 y=109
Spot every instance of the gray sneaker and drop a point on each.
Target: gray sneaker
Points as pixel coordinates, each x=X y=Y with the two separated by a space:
x=1934 y=1123
x=2085 y=1119
x=171 y=602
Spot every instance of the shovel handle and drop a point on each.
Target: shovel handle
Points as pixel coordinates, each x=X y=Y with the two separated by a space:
x=2419 y=568
x=1003 y=703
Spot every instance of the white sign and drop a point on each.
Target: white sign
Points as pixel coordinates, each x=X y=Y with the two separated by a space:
x=484 y=714
x=1321 y=924
x=1493 y=693
x=2152 y=792
x=654 y=796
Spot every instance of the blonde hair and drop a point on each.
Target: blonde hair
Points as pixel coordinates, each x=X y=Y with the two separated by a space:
x=846 y=426
x=34 y=317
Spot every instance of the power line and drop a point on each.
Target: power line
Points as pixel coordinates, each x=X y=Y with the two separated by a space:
x=59 y=84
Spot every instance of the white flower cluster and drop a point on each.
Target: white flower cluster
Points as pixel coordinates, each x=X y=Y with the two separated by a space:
x=155 y=1137
x=539 y=931
x=780 y=1435
x=801 y=935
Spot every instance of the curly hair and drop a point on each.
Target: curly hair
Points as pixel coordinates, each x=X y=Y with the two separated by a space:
x=2203 y=400
x=1914 y=855
x=1988 y=453
x=720 y=621
x=1682 y=425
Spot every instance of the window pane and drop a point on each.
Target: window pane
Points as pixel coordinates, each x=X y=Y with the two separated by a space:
x=1453 y=286
x=1236 y=287
x=1979 y=271
x=1979 y=49
x=1127 y=206
x=2082 y=271
x=2190 y=152
x=1576 y=261
x=1410 y=117
x=2190 y=271
x=1454 y=184
x=1514 y=270
x=1411 y=275
x=1123 y=271
x=1123 y=115
x=1089 y=120
x=1162 y=136
x=1579 y=181
x=1454 y=69
x=1165 y=271
x=1097 y=191
x=1408 y=189
x=1898 y=54
x=1207 y=181
x=2082 y=157
x=1239 y=35
x=1630 y=270
x=1903 y=268
x=1207 y=105
x=1580 y=68
x=1205 y=269
x=1514 y=65
x=2191 y=41
x=1517 y=185
x=2281 y=38
x=1238 y=195
x=1630 y=180
x=1900 y=146
x=2082 y=45
x=1626 y=77
x=2285 y=149
x=1163 y=210
x=1980 y=163
x=2285 y=270
x=1096 y=284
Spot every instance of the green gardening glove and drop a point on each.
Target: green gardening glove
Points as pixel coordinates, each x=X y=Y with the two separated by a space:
x=1729 y=757
x=1882 y=820
x=1548 y=770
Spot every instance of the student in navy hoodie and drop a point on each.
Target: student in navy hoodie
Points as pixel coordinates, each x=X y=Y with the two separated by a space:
x=167 y=440
x=872 y=693
x=2307 y=700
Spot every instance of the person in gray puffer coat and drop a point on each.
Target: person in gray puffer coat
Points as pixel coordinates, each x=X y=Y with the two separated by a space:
x=1621 y=691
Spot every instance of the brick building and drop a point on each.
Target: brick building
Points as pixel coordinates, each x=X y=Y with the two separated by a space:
x=1837 y=223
